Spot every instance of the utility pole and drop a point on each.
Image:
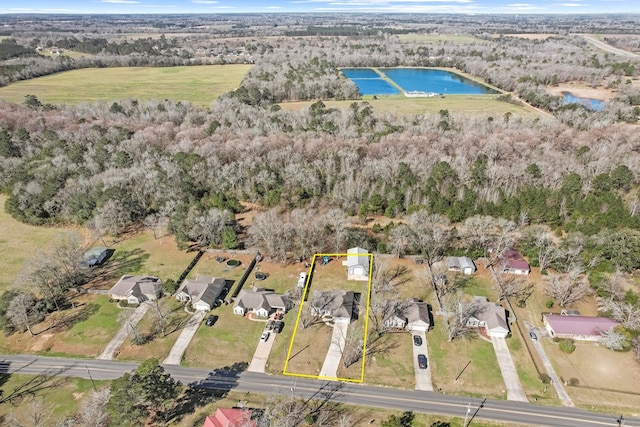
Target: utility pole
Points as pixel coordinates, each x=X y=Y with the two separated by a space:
x=466 y=416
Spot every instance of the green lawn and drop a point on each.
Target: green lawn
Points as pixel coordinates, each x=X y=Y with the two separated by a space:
x=233 y=339
x=88 y=336
x=19 y=242
x=60 y=394
x=198 y=84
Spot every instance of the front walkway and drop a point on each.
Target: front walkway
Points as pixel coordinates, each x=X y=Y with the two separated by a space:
x=508 y=370
x=122 y=334
x=334 y=354
x=180 y=346
x=423 y=376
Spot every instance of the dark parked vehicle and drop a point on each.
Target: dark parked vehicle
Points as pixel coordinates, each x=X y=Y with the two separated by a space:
x=422 y=361
x=417 y=340
x=277 y=327
x=211 y=320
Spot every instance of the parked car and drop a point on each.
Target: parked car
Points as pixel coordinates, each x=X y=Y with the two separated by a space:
x=417 y=340
x=533 y=336
x=211 y=320
x=277 y=326
x=264 y=337
x=422 y=361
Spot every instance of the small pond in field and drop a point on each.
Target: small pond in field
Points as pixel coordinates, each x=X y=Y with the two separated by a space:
x=591 y=104
x=413 y=82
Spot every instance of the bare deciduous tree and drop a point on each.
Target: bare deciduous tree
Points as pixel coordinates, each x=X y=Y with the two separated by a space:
x=568 y=288
x=23 y=312
x=457 y=314
x=613 y=340
x=511 y=286
x=625 y=313
x=92 y=411
x=35 y=413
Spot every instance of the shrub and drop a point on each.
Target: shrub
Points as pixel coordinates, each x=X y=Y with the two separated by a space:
x=544 y=378
x=548 y=303
x=567 y=345
x=574 y=382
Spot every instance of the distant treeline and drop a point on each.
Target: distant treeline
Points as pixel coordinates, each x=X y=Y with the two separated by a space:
x=313 y=30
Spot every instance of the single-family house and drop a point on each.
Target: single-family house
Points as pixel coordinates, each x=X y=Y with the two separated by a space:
x=412 y=316
x=95 y=256
x=513 y=263
x=202 y=292
x=462 y=264
x=231 y=417
x=136 y=289
x=336 y=305
x=490 y=316
x=583 y=328
x=358 y=263
x=261 y=302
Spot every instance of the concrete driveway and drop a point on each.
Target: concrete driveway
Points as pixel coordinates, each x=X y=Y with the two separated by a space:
x=180 y=346
x=122 y=334
x=423 y=376
x=261 y=355
x=555 y=381
x=334 y=354
x=508 y=370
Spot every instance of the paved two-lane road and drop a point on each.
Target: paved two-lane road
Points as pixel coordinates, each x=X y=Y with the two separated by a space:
x=513 y=412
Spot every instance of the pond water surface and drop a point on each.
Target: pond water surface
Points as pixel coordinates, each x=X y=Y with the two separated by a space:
x=415 y=81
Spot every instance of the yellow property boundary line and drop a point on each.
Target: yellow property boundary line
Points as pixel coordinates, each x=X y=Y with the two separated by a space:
x=366 y=321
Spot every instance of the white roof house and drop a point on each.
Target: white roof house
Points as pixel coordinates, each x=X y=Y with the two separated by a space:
x=358 y=263
x=463 y=264
x=202 y=292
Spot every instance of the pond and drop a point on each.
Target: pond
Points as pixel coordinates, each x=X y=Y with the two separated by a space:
x=590 y=103
x=413 y=82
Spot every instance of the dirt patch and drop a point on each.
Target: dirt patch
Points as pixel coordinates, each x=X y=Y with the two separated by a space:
x=41 y=342
x=582 y=91
x=531 y=36
x=78 y=396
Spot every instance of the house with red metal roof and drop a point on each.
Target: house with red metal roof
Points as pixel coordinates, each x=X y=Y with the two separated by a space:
x=231 y=417
x=583 y=328
x=512 y=262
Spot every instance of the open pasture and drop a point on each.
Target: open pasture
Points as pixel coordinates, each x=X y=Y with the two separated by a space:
x=197 y=84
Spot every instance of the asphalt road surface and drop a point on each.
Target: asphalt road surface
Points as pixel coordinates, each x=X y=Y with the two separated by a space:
x=520 y=413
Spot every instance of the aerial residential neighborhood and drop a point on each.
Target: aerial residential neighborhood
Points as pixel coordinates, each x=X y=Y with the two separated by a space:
x=316 y=214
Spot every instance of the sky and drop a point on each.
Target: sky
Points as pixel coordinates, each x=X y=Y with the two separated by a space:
x=318 y=6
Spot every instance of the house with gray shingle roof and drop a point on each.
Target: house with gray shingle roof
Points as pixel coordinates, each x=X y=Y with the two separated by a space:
x=411 y=316
x=490 y=316
x=261 y=302
x=202 y=292
x=136 y=289
x=336 y=304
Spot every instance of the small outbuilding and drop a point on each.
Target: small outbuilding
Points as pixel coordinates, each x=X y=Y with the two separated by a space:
x=462 y=264
x=95 y=256
x=358 y=263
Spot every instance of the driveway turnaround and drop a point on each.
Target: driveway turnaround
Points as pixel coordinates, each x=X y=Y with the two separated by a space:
x=260 y=356
x=121 y=335
x=423 y=376
x=508 y=369
x=332 y=360
x=179 y=347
